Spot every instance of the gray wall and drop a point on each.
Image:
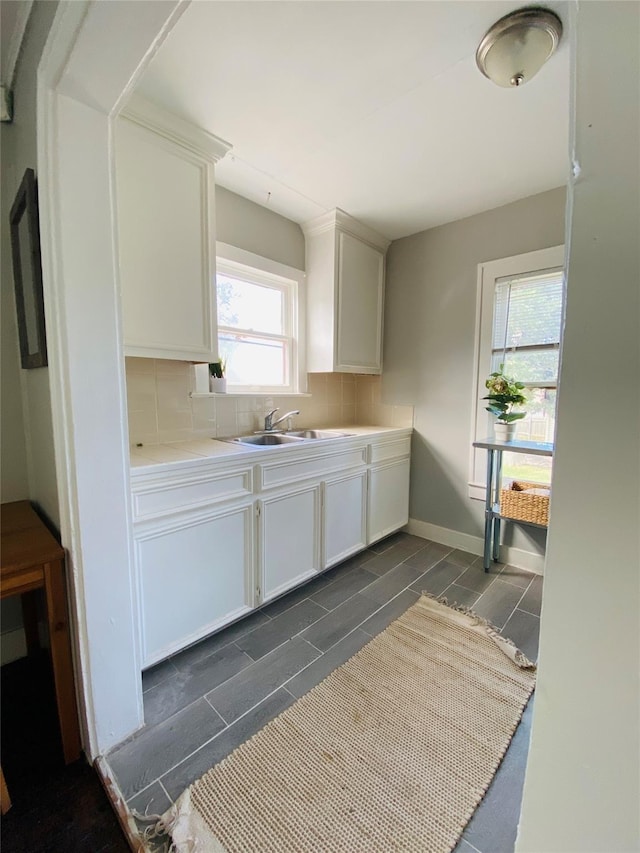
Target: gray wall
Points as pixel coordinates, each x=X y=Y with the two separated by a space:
x=28 y=463
x=582 y=790
x=14 y=484
x=429 y=347
x=250 y=226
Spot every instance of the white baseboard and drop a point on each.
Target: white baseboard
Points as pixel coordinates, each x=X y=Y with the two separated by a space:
x=13 y=645
x=475 y=545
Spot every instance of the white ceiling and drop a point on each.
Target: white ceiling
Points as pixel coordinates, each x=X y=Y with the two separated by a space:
x=374 y=107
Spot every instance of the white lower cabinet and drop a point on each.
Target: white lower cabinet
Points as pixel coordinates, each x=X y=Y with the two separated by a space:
x=345 y=517
x=289 y=539
x=193 y=577
x=388 y=504
x=214 y=541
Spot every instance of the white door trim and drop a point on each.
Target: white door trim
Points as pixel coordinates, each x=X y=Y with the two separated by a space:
x=82 y=82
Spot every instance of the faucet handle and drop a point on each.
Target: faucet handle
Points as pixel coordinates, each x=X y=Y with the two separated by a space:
x=268 y=418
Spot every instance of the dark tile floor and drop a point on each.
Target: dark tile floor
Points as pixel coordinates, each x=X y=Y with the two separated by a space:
x=202 y=703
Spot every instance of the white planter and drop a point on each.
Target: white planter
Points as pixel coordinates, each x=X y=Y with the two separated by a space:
x=504 y=432
x=217 y=386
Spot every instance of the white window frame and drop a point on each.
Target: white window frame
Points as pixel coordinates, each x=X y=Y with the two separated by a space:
x=234 y=261
x=530 y=263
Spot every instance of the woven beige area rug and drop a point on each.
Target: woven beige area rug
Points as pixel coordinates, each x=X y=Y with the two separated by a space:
x=392 y=751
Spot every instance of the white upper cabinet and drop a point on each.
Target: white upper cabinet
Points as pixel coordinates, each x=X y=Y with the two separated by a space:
x=345 y=295
x=166 y=231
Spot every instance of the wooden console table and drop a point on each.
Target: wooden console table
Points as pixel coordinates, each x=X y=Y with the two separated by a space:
x=492 y=516
x=32 y=558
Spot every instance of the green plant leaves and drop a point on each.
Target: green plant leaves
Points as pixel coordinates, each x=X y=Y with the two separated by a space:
x=505 y=393
x=216 y=369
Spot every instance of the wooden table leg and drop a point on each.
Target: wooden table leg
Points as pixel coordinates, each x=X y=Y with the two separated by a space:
x=5 y=799
x=61 y=658
x=30 y=620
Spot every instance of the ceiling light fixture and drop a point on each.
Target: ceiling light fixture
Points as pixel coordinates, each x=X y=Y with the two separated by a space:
x=516 y=47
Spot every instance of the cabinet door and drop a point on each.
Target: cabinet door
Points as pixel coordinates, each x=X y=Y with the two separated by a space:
x=360 y=304
x=388 y=498
x=345 y=517
x=289 y=546
x=165 y=225
x=193 y=579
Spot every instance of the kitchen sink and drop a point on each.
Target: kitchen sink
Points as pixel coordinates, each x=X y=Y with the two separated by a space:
x=268 y=439
x=265 y=439
x=318 y=433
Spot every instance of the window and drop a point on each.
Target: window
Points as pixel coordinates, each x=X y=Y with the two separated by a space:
x=519 y=324
x=259 y=332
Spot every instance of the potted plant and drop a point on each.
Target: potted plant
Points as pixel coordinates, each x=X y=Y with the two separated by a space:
x=217 y=379
x=504 y=394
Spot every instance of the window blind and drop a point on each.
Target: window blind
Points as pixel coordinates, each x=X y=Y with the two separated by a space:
x=528 y=311
x=527 y=324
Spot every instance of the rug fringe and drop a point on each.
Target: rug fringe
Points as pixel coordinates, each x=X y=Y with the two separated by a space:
x=504 y=643
x=155 y=837
x=181 y=826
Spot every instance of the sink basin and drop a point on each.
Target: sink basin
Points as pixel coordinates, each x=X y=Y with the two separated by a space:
x=265 y=440
x=318 y=433
x=268 y=439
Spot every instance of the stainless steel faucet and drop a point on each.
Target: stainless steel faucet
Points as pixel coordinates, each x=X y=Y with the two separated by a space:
x=270 y=424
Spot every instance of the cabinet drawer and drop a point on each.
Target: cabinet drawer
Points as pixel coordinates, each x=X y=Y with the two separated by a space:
x=152 y=499
x=390 y=449
x=281 y=473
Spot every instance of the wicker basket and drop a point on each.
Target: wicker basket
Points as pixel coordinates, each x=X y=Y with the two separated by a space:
x=516 y=504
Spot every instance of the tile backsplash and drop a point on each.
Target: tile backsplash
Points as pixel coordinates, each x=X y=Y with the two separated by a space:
x=162 y=409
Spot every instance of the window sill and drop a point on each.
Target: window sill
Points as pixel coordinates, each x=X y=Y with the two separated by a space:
x=248 y=394
x=477 y=492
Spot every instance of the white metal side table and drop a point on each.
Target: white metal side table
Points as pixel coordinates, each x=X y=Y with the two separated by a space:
x=492 y=517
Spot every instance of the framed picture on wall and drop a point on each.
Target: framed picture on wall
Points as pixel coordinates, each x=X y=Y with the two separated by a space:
x=27 y=273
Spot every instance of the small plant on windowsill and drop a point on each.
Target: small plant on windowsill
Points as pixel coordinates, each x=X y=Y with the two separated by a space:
x=217 y=379
x=504 y=394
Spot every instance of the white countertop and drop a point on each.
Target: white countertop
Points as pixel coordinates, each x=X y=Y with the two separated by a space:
x=153 y=455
